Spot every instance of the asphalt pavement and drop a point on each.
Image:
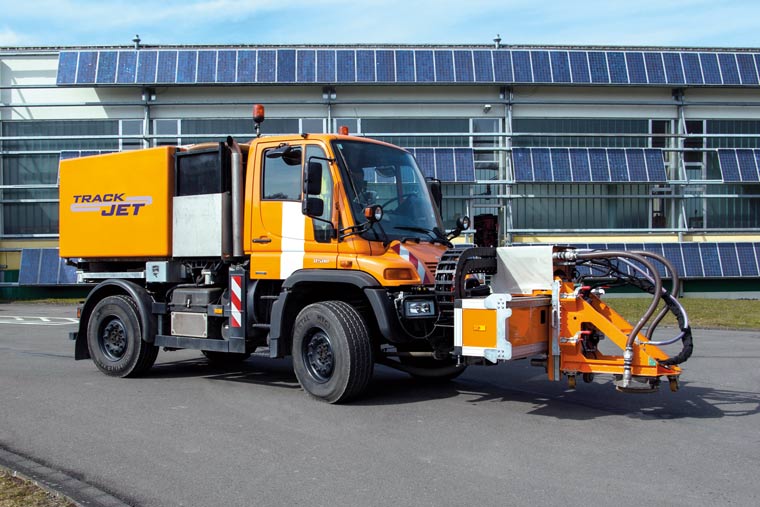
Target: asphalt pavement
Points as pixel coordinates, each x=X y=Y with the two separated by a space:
x=190 y=434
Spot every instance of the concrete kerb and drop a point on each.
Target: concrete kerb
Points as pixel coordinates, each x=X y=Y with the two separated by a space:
x=57 y=482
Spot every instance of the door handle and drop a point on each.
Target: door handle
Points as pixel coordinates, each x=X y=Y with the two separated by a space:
x=262 y=240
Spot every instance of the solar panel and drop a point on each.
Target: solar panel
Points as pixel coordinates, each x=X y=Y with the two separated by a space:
x=246 y=66
x=710 y=259
x=167 y=67
x=444 y=66
x=757 y=158
x=346 y=65
x=579 y=67
x=656 y=248
x=728 y=259
x=522 y=67
x=637 y=73
x=692 y=260
x=425 y=68
x=673 y=68
x=286 y=66
x=618 y=165
x=444 y=164
x=672 y=252
x=206 y=67
x=542 y=71
x=579 y=165
x=266 y=66
x=692 y=68
x=637 y=168
x=502 y=66
x=463 y=66
x=522 y=164
x=655 y=68
x=326 y=66
x=186 y=66
x=365 y=66
x=464 y=164
x=600 y=168
x=88 y=61
x=710 y=69
x=50 y=265
x=226 y=66
x=542 y=164
x=306 y=66
x=107 y=67
x=405 y=66
x=729 y=165
x=728 y=68
x=29 y=269
x=560 y=67
x=747 y=70
x=426 y=160
x=67 y=67
x=483 y=66
x=598 y=64
x=147 y=63
x=386 y=66
x=747 y=165
x=561 y=165
x=747 y=261
x=618 y=69
x=127 y=67
x=67 y=275
x=655 y=165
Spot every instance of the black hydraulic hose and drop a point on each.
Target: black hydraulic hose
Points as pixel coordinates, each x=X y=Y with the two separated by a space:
x=674 y=290
x=614 y=254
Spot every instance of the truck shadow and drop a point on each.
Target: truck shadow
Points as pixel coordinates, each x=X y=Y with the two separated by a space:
x=497 y=385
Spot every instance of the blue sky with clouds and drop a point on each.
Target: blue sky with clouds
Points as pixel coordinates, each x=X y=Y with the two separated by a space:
x=596 y=22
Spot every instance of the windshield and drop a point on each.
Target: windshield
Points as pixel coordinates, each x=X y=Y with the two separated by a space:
x=379 y=174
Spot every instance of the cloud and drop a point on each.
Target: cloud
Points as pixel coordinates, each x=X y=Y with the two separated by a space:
x=10 y=38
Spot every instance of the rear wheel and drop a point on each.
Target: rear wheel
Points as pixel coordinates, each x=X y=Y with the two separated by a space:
x=332 y=352
x=115 y=340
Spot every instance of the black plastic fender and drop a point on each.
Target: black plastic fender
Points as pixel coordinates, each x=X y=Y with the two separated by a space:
x=113 y=287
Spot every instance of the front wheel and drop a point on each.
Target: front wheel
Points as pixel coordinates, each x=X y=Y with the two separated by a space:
x=115 y=339
x=332 y=352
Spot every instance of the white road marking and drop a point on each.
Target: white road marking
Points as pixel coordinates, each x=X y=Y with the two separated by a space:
x=38 y=321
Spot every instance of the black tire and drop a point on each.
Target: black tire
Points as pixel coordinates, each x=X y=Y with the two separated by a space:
x=433 y=370
x=332 y=351
x=114 y=338
x=225 y=359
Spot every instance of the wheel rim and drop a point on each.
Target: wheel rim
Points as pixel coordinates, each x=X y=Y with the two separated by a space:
x=113 y=339
x=318 y=356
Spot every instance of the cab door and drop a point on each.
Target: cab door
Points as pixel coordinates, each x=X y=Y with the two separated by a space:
x=283 y=240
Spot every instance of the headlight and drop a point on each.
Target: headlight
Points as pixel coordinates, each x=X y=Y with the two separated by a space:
x=419 y=308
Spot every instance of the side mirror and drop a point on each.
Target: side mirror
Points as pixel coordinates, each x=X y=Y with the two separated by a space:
x=313 y=206
x=312 y=179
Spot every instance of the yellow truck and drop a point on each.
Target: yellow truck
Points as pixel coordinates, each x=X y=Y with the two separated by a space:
x=330 y=248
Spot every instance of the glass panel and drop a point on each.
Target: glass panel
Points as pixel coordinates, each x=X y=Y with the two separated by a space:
x=372 y=126
x=131 y=128
x=282 y=177
x=323 y=230
x=71 y=128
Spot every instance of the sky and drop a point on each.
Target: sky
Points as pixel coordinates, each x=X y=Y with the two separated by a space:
x=680 y=23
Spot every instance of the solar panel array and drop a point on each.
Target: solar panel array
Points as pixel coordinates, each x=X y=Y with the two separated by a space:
x=42 y=266
x=739 y=165
x=68 y=154
x=421 y=65
x=446 y=164
x=696 y=260
x=617 y=165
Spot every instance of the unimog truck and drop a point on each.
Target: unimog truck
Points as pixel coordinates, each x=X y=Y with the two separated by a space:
x=330 y=248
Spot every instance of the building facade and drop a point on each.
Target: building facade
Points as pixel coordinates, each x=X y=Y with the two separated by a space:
x=655 y=148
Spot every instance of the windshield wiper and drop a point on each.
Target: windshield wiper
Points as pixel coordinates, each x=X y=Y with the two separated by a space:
x=436 y=237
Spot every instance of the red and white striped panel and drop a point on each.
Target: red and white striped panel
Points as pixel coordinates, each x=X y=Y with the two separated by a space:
x=236 y=283
x=419 y=266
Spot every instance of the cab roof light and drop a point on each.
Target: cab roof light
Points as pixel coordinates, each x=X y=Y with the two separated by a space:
x=343 y=130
